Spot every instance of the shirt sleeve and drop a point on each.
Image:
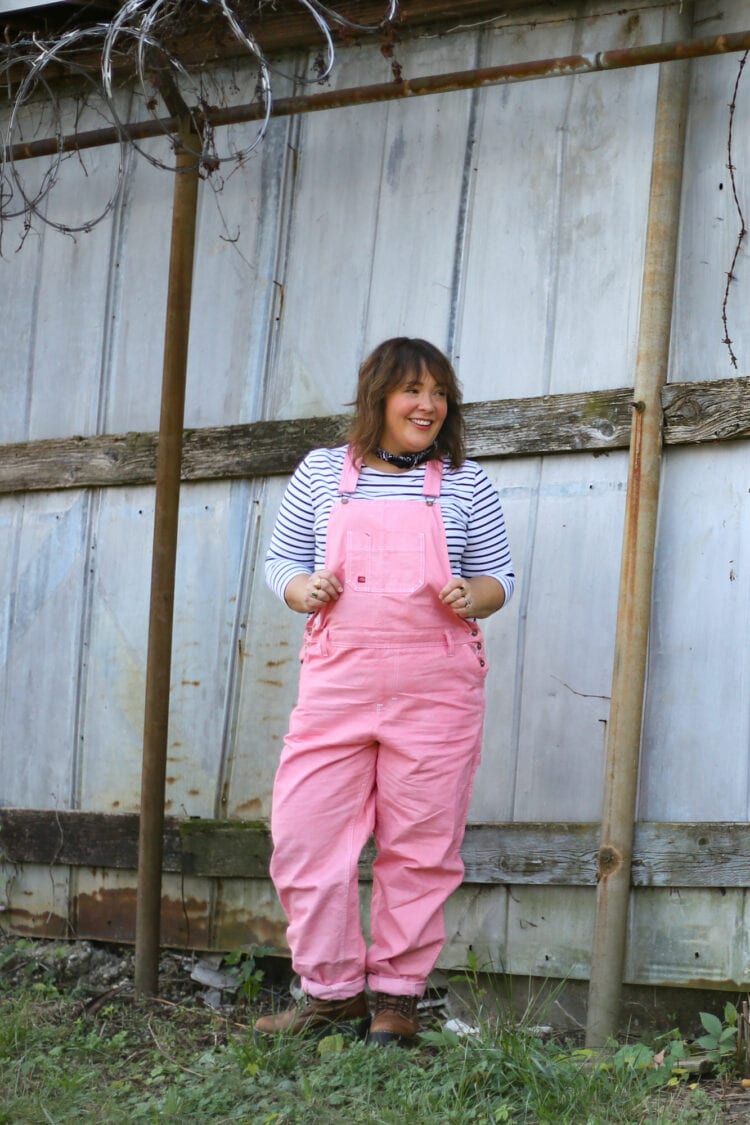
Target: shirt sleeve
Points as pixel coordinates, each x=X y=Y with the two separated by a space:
x=292 y=547
x=487 y=550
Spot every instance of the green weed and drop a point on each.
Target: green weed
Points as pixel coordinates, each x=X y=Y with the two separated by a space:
x=149 y=1063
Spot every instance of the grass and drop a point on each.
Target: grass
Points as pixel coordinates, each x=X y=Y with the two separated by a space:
x=67 y=1058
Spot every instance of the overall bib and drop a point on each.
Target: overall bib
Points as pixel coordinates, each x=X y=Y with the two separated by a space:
x=385 y=739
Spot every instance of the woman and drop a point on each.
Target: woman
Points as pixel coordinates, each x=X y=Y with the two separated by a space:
x=394 y=545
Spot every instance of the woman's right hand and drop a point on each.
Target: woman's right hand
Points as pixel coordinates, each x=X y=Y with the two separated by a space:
x=307 y=593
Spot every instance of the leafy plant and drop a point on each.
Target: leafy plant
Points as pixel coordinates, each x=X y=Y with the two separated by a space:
x=720 y=1039
x=64 y=1062
x=246 y=971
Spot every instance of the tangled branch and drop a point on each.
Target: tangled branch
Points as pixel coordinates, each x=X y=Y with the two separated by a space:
x=743 y=231
x=136 y=63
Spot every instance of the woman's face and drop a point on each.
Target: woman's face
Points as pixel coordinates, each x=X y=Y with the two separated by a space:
x=414 y=413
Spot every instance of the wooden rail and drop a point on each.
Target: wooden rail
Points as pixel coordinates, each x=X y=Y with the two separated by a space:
x=595 y=421
x=522 y=854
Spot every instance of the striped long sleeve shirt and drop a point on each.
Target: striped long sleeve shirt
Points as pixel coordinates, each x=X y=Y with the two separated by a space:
x=470 y=506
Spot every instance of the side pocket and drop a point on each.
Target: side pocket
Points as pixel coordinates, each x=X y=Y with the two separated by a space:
x=478 y=655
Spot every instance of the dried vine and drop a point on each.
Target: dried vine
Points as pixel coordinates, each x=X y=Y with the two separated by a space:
x=136 y=48
x=743 y=230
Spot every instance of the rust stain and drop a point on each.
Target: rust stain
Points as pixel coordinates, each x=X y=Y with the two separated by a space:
x=28 y=924
x=109 y=915
x=253 y=806
x=271 y=683
x=238 y=928
x=609 y=861
x=190 y=683
x=277 y=663
x=171 y=780
x=115 y=804
x=194 y=792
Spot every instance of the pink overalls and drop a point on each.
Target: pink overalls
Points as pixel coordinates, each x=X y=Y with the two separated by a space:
x=385 y=739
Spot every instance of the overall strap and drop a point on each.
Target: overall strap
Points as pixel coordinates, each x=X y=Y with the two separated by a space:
x=433 y=477
x=349 y=474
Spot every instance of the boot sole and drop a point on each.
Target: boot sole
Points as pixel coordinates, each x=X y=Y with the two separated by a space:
x=351 y=1029
x=386 y=1038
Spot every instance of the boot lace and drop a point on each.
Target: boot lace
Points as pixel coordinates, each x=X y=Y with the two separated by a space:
x=404 y=1005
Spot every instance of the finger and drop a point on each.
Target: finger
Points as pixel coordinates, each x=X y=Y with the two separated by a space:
x=325 y=580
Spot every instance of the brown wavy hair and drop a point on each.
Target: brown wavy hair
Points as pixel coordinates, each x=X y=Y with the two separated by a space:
x=390 y=365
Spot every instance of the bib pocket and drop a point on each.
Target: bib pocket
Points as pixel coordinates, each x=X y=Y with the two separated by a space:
x=392 y=563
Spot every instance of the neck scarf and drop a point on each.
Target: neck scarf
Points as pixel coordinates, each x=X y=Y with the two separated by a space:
x=406 y=460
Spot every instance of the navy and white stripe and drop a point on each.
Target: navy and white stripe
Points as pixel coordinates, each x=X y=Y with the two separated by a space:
x=471 y=510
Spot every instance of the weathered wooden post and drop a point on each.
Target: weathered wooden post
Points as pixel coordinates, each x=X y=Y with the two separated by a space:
x=168 y=470
x=639 y=536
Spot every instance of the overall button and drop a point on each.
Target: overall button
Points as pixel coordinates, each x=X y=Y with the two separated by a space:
x=481 y=663
x=474 y=632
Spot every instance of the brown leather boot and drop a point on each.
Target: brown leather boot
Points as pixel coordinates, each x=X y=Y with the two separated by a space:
x=319 y=1018
x=395 y=1020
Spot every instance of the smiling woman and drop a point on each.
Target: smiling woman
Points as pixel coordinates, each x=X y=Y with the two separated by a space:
x=408 y=400
x=394 y=545
x=414 y=414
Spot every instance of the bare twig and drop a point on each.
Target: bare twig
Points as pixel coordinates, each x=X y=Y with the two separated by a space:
x=743 y=231
x=170 y=1058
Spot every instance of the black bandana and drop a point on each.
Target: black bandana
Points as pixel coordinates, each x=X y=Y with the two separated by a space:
x=406 y=460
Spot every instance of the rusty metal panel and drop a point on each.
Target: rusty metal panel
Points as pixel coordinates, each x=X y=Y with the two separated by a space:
x=113 y=675
x=551 y=280
x=45 y=568
x=375 y=204
x=697 y=726
x=103 y=905
x=476 y=920
x=35 y=900
x=549 y=931
x=265 y=683
x=246 y=913
x=61 y=296
x=238 y=284
x=689 y=937
x=550 y=651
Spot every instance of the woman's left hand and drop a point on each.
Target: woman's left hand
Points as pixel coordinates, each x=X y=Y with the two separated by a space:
x=475 y=597
x=457 y=596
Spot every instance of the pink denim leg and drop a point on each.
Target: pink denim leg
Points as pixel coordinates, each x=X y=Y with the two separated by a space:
x=323 y=810
x=428 y=755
